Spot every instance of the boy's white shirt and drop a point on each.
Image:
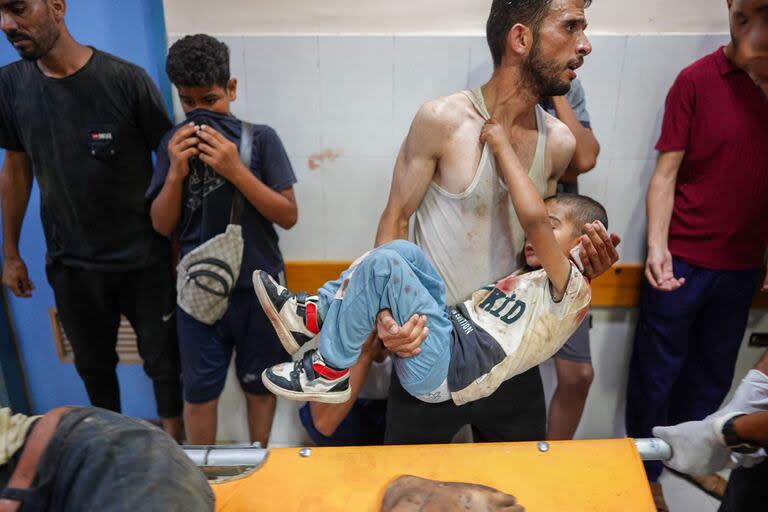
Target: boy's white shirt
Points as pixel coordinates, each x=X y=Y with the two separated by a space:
x=541 y=330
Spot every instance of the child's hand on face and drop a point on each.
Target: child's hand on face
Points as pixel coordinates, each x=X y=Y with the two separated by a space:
x=181 y=147
x=495 y=135
x=219 y=152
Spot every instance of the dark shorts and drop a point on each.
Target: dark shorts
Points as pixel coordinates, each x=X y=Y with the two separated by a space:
x=206 y=350
x=363 y=426
x=576 y=349
x=100 y=460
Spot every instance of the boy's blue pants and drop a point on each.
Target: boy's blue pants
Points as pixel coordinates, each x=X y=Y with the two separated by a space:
x=398 y=277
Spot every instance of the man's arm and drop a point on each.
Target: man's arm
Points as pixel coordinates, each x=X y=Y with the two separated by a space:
x=15 y=187
x=752 y=428
x=698 y=447
x=587 y=148
x=659 y=203
x=328 y=417
x=414 y=171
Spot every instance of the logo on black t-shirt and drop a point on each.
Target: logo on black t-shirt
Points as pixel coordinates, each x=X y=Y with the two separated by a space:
x=202 y=181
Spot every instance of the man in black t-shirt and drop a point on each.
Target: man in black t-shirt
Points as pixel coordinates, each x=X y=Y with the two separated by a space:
x=84 y=124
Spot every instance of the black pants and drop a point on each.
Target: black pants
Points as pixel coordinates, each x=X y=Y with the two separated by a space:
x=515 y=412
x=90 y=304
x=747 y=490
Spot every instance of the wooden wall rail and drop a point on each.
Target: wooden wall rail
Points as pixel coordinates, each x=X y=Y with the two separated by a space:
x=617 y=288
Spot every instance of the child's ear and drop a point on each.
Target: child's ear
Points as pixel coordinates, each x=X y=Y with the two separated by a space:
x=232 y=89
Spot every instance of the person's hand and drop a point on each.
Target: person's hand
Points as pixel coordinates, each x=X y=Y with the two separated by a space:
x=402 y=340
x=221 y=154
x=495 y=135
x=373 y=349
x=181 y=147
x=696 y=448
x=598 y=249
x=658 y=270
x=16 y=277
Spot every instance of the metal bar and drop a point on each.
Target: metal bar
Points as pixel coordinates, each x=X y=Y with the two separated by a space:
x=239 y=455
x=225 y=456
x=653 y=449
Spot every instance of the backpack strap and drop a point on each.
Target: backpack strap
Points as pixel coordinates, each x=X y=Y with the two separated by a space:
x=246 y=152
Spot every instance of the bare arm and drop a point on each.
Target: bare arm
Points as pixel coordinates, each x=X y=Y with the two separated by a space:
x=659 y=203
x=587 y=148
x=414 y=170
x=529 y=207
x=166 y=207
x=753 y=428
x=328 y=417
x=223 y=156
x=15 y=187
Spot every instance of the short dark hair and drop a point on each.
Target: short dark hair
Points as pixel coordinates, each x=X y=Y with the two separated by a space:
x=505 y=14
x=198 y=61
x=580 y=210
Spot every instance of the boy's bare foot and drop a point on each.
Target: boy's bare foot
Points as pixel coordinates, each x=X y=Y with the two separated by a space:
x=414 y=494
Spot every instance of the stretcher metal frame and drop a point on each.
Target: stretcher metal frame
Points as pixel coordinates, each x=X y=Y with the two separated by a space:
x=226 y=456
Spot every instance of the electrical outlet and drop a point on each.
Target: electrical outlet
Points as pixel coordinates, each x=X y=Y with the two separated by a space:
x=758 y=339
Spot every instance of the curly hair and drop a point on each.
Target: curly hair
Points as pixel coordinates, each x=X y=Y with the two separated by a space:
x=198 y=61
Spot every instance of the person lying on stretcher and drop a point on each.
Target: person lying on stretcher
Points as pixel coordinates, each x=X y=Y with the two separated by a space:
x=503 y=330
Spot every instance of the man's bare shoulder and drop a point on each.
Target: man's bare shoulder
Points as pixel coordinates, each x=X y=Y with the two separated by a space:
x=558 y=132
x=448 y=111
x=561 y=144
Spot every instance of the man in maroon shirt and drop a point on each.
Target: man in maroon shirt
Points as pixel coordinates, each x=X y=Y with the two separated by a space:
x=707 y=231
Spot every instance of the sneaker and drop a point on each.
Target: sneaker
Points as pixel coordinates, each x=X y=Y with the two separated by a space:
x=309 y=378
x=294 y=316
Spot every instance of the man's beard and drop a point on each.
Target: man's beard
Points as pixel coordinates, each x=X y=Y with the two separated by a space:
x=542 y=77
x=40 y=46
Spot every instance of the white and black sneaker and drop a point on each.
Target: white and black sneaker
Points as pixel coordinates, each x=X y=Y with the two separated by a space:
x=310 y=379
x=294 y=316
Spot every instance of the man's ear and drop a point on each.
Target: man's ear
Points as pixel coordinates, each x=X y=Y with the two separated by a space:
x=730 y=4
x=58 y=9
x=519 y=41
x=232 y=89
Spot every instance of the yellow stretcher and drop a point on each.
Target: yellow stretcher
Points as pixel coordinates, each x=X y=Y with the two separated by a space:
x=568 y=476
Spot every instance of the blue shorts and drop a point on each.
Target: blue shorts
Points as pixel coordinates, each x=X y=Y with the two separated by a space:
x=206 y=350
x=363 y=426
x=577 y=349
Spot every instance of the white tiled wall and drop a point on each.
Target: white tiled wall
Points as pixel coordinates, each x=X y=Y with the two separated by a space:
x=356 y=95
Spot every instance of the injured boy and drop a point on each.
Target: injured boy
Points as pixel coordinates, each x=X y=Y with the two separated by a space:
x=503 y=330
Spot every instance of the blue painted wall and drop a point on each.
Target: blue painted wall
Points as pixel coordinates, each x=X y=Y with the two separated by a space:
x=134 y=31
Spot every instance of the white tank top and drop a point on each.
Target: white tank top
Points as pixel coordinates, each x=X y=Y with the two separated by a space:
x=474 y=238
